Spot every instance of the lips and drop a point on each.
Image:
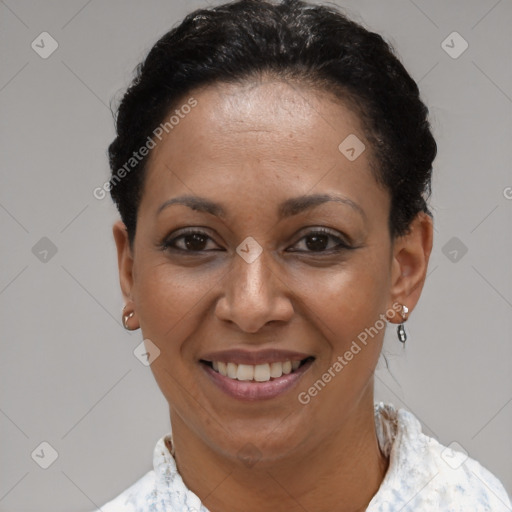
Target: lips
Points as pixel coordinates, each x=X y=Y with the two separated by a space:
x=253 y=375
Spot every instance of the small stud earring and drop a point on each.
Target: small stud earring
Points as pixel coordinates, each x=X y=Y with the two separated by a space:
x=402 y=336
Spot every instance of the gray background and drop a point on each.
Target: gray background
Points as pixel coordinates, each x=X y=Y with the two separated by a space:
x=68 y=373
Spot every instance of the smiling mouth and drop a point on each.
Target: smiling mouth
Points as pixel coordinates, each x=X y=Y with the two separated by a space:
x=256 y=373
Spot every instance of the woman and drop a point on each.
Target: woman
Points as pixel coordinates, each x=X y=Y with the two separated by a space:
x=271 y=168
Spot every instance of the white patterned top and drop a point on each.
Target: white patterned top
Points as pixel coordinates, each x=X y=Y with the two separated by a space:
x=423 y=476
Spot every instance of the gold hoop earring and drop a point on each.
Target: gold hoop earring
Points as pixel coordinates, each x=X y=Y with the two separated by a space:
x=126 y=318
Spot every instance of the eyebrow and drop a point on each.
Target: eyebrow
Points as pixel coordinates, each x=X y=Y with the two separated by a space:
x=288 y=208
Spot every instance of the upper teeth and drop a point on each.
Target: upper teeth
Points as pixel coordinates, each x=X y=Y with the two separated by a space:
x=258 y=372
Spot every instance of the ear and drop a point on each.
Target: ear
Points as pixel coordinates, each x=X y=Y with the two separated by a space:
x=411 y=253
x=124 y=259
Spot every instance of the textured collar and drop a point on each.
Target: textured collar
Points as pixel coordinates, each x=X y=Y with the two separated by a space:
x=396 y=430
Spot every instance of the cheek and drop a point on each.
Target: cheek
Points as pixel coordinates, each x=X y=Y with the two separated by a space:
x=348 y=301
x=347 y=305
x=171 y=307
x=171 y=302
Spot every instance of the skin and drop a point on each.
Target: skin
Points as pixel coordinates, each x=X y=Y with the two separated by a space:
x=250 y=147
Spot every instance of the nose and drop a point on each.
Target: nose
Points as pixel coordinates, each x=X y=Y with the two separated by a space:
x=254 y=294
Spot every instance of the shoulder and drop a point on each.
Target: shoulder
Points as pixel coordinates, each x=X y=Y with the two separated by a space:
x=463 y=483
x=162 y=488
x=132 y=499
x=424 y=475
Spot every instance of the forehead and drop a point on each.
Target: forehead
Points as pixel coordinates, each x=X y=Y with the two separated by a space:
x=252 y=136
x=271 y=106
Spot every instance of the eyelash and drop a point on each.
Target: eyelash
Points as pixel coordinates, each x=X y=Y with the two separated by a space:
x=167 y=244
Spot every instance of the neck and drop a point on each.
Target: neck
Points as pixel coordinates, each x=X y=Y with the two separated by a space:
x=343 y=473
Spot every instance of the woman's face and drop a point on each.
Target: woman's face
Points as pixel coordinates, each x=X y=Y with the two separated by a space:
x=259 y=284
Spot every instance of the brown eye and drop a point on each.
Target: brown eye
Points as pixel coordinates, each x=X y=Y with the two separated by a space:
x=319 y=240
x=189 y=241
x=194 y=242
